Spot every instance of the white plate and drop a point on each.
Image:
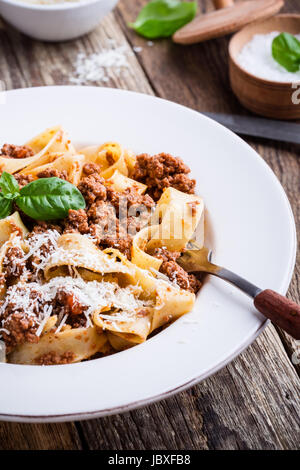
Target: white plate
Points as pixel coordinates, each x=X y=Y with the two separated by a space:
x=251 y=230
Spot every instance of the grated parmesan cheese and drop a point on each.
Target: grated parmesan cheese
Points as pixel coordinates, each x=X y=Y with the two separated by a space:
x=5 y=331
x=36 y=298
x=165 y=278
x=62 y=323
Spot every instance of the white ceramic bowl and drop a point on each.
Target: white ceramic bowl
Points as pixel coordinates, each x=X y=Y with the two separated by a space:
x=58 y=22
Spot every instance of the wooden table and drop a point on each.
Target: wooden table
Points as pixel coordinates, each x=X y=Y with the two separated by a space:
x=253 y=403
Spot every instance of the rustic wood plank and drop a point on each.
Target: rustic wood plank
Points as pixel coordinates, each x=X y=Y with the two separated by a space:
x=17 y=436
x=290 y=6
x=284 y=161
x=252 y=403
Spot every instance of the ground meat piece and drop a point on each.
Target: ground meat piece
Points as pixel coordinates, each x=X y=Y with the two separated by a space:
x=175 y=272
x=161 y=171
x=69 y=303
x=13 y=264
x=195 y=283
x=134 y=198
x=130 y=197
x=22 y=329
x=92 y=188
x=103 y=220
x=77 y=221
x=41 y=249
x=135 y=224
x=16 y=151
x=183 y=183
x=54 y=358
x=90 y=168
x=132 y=208
x=52 y=172
x=21 y=325
x=117 y=238
x=23 y=179
x=2 y=280
x=101 y=212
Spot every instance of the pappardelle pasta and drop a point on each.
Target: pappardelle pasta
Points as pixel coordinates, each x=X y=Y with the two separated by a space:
x=89 y=240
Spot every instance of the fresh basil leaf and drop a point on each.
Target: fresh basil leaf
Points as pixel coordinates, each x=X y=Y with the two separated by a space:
x=286 y=51
x=9 y=186
x=5 y=207
x=161 y=18
x=49 y=198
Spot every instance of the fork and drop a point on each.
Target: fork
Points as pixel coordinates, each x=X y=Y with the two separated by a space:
x=281 y=311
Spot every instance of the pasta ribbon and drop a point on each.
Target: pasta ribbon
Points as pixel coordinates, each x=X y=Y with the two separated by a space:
x=71 y=164
x=78 y=251
x=109 y=156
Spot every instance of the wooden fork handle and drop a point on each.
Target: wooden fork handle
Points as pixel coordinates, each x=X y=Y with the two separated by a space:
x=283 y=312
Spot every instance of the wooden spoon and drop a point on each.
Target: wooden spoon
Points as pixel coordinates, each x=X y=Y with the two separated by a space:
x=228 y=18
x=281 y=311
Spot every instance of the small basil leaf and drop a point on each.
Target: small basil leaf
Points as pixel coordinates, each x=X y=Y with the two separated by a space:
x=286 y=51
x=5 y=207
x=161 y=18
x=9 y=185
x=49 y=198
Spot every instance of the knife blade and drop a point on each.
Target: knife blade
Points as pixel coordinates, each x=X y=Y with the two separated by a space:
x=282 y=131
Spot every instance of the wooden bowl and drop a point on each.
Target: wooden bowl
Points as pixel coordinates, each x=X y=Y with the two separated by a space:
x=264 y=97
